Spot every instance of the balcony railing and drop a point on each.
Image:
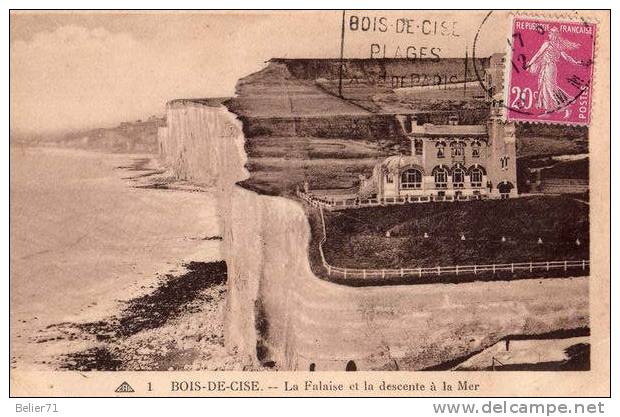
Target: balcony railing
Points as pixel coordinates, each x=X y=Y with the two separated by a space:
x=352 y=203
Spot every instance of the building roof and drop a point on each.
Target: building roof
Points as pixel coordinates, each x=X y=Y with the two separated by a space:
x=448 y=130
x=396 y=162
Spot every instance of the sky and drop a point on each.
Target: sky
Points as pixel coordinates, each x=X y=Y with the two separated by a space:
x=72 y=70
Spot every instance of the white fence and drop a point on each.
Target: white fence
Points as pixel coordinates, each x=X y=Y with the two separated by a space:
x=438 y=271
x=347 y=203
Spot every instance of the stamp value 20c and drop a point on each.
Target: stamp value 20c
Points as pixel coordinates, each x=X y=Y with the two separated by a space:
x=551 y=71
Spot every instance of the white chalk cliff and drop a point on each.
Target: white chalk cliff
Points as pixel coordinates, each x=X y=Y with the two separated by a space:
x=279 y=313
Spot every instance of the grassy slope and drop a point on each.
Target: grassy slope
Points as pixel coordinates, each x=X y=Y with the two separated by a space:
x=357 y=238
x=280 y=177
x=278 y=164
x=289 y=88
x=274 y=92
x=131 y=137
x=539 y=146
x=568 y=169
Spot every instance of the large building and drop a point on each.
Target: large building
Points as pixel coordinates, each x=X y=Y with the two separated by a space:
x=451 y=161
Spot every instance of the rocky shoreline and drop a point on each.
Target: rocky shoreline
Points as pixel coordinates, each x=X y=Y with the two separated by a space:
x=176 y=326
x=173 y=320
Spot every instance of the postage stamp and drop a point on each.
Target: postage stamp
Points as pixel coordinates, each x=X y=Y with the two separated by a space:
x=551 y=71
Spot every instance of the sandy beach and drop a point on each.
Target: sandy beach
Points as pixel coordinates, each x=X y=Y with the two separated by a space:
x=100 y=263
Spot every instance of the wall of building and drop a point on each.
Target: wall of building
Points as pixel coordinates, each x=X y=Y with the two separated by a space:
x=502 y=144
x=279 y=313
x=496 y=157
x=431 y=158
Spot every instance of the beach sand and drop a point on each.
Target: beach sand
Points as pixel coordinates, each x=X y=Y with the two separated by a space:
x=109 y=272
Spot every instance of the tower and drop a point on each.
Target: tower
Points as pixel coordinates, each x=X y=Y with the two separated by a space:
x=494 y=76
x=502 y=160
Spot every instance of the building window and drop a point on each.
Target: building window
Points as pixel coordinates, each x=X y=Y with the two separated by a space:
x=504 y=162
x=475 y=152
x=457 y=148
x=440 y=145
x=418 y=147
x=458 y=177
x=441 y=178
x=389 y=178
x=504 y=188
x=475 y=149
x=411 y=178
x=475 y=176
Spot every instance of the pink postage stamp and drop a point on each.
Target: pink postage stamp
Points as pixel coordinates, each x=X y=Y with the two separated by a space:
x=551 y=71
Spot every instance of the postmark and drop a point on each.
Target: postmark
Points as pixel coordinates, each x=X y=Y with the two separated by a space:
x=550 y=71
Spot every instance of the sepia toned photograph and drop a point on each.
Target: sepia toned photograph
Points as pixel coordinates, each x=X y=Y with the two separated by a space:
x=231 y=201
